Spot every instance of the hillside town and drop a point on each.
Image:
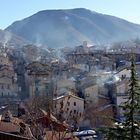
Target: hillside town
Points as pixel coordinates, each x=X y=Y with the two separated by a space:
x=61 y=96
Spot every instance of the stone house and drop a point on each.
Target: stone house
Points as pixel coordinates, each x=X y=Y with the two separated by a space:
x=8 y=79
x=69 y=108
x=121 y=94
x=91 y=93
x=38 y=77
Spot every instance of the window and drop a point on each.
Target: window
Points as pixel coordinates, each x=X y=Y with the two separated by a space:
x=68 y=103
x=8 y=86
x=74 y=112
x=61 y=104
x=2 y=86
x=37 y=89
x=74 y=103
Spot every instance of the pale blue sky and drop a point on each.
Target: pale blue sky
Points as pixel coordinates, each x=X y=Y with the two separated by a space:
x=12 y=10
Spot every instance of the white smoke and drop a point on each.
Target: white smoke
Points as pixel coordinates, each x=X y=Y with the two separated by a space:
x=7 y=38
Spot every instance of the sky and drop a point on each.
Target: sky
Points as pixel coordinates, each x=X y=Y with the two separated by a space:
x=13 y=10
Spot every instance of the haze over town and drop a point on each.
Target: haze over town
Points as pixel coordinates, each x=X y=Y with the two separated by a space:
x=70 y=70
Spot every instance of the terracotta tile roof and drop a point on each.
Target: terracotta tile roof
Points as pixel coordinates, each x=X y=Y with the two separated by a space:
x=8 y=136
x=9 y=127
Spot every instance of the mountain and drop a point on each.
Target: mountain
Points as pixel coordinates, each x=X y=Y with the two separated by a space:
x=10 y=39
x=60 y=28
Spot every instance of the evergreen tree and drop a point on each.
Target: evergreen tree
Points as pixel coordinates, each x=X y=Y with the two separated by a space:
x=129 y=129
